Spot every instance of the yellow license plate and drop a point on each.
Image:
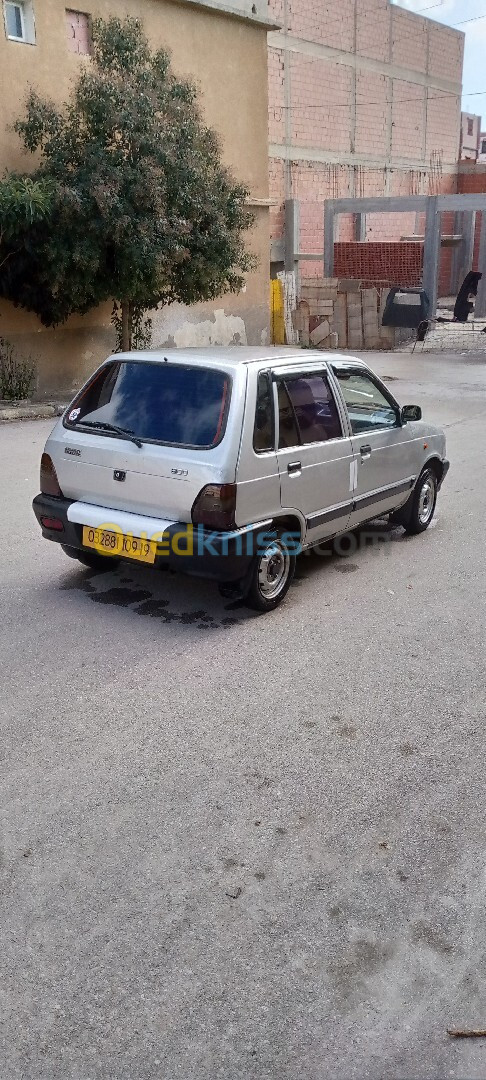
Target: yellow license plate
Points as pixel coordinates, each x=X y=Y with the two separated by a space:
x=114 y=543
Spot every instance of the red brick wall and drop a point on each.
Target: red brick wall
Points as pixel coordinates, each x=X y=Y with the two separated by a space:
x=473 y=182
x=380 y=264
x=349 y=120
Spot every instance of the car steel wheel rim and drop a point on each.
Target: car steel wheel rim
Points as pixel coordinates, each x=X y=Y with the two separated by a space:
x=426 y=501
x=273 y=570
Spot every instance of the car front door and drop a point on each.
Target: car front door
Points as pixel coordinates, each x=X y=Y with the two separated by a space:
x=385 y=465
x=315 y=456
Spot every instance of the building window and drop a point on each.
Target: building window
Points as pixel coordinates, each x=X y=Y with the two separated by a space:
x=78 y=32
x=470 y=127
x=483 y=146
x=14 y=21
x=19 y=21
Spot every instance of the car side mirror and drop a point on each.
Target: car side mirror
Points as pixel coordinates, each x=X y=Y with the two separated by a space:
x=411 y=412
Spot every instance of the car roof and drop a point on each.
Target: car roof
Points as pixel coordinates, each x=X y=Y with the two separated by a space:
x=234 y=356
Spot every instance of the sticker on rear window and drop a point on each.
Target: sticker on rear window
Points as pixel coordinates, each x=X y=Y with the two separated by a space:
x=73 y=415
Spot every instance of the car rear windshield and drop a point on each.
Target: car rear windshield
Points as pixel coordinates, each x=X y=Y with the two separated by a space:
x=156 y=402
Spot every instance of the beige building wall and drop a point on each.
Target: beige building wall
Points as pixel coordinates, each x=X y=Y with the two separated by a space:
x=224 y=49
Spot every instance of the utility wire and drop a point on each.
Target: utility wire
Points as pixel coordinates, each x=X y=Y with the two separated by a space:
x=384 y=101
x=464 y=21
x=419 y=10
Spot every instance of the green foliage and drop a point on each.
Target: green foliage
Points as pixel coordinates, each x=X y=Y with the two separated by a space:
x=22 y=201
x=17 y=376
x=142 y=209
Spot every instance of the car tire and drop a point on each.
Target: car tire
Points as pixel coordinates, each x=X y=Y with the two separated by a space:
x=420 y=509
x=271 y=575
x=101 y=563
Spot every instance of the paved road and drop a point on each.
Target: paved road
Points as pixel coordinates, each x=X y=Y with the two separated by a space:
x=240 y=846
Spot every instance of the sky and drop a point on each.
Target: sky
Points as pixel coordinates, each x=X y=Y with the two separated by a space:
x=453 y=12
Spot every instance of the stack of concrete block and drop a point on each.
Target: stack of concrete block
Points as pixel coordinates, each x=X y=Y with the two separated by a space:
x=369 y=308
x=387 y=333
x=301 y=320
x=355 y=320
x=334 y=313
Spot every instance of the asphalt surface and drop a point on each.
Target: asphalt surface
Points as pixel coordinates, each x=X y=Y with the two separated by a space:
x=241 y=846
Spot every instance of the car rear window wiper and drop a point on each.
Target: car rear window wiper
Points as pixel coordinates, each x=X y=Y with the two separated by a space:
x=124 y=433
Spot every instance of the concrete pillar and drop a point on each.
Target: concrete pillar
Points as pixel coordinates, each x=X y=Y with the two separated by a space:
x=329 y=238
x=432 y=252
x=360 y=228
x=467 y=245
x=457 y=259
x=292 y=230
x=480 y=307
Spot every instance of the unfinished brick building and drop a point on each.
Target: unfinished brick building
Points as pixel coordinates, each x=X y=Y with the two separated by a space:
x=364 y=100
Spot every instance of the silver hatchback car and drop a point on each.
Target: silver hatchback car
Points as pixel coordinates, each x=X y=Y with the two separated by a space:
x=226 y=463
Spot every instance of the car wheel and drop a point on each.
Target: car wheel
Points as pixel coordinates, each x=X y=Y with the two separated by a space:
x=422 y=503
x=102 y=563
x=271 y=576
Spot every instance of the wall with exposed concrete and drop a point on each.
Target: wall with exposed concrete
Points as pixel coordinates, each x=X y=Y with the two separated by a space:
x=364 y=100
x=223 y=47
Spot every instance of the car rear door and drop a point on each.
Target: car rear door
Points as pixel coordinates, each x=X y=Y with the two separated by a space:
x=314 y=453
x=385 y=463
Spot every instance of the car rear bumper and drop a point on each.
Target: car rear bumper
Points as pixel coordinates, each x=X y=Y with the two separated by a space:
x=220 y=556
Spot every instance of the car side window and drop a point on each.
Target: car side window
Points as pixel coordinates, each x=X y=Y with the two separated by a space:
x=367 y=405
x=263 y=431
x=307 y=408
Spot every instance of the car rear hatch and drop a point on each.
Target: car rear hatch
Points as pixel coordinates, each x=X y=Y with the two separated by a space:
x=177 y=412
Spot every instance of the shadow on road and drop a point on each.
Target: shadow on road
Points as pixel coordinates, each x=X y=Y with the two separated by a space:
x=174 y=598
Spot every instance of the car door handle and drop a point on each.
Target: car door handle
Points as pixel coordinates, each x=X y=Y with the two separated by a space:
x=294 y=468
x=365 y=452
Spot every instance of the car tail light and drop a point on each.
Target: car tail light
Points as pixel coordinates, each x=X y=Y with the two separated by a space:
x=48 y=477
x=215 y=506
x=52 y=523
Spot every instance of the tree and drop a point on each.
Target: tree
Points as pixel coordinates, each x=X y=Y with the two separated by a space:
x=142 y=209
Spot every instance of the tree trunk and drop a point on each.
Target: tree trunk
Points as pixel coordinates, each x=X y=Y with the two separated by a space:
x=126 y=341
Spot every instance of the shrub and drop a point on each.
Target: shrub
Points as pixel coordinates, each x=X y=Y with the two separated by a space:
x=17 y=375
